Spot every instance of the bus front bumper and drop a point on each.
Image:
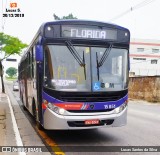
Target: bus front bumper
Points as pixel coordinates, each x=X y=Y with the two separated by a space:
x=53 y=121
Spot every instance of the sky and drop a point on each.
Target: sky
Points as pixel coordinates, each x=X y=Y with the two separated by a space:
x=143 y=21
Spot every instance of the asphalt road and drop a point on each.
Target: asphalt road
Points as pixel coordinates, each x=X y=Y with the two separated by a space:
x=142 y=129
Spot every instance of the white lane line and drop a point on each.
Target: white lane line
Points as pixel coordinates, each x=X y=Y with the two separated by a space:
x=16 y=131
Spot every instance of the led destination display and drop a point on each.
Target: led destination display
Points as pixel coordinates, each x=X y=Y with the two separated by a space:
x=89 y=32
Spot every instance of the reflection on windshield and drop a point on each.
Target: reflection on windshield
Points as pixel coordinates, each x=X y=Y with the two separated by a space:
x=113 y=72
x=63 y=72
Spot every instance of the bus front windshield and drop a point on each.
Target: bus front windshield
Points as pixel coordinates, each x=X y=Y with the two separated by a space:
x=85 y=68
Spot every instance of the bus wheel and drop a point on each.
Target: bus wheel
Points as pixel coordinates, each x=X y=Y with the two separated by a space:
x=38 y=125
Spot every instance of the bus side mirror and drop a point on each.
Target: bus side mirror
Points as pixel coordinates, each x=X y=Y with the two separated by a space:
x=39 y=53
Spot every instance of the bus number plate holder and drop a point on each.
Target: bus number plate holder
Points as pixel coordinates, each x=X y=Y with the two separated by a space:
x=90 y=122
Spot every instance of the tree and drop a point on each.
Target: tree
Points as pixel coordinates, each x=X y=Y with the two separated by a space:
x=70 y=16
x=9 y=45
x=11 y=71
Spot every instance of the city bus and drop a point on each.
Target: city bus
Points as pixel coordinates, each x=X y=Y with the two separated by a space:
x=74 y=75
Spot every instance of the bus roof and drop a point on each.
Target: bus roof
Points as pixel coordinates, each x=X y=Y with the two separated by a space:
x=82 y=22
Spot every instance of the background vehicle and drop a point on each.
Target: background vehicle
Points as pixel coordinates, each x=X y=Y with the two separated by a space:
x=15 y=85
x=74 y=75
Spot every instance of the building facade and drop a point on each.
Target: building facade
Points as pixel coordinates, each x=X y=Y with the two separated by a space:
x=144 y=57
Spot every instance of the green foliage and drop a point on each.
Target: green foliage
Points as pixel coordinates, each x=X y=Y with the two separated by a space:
x=56 y=17
x=10 y=45
x=70 y=16
x=11 y=71
x=10 y=78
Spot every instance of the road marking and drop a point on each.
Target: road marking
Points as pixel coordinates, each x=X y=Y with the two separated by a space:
x=56 y=149
x=15 y=128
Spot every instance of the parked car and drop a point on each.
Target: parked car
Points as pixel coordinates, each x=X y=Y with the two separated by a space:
x=15 y=85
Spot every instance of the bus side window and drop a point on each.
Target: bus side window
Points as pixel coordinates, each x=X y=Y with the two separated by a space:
x=29 y=64
x=32 y=62
x=48 y=70
x=25 y=67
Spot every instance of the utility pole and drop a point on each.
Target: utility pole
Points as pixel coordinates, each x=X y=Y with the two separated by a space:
x=1 y=66
x=1 y=43
x=1 y=74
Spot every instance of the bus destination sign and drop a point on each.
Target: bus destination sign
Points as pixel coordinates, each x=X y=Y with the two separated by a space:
x=88 y=32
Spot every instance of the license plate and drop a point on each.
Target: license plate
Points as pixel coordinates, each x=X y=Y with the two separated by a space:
x=90 y=122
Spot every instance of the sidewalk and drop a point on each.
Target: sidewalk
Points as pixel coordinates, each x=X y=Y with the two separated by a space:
x=6 y=127
x=15 y=128
x=3 y=109
x=7 y=134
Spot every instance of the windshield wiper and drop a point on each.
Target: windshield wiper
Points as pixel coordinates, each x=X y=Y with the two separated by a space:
x=97 y=65
x=77 y=56
x=84 y=66
x=103 y=58
x=105 y=55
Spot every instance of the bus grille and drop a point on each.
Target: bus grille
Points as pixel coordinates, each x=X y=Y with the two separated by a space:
x=90 y=111
x=89 y=98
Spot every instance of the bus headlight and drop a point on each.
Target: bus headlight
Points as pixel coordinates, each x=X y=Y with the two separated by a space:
x=56 y=109
x=50 y=106
x=61 y=111
x=120 y=108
